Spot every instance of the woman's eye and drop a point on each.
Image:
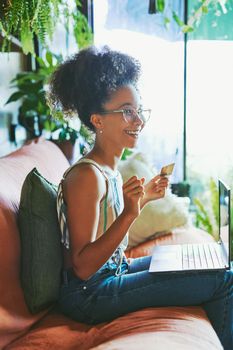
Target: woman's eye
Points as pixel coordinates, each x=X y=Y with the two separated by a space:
x=128 y=111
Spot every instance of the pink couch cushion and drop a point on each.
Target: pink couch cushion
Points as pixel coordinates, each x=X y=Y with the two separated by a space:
x=50 y=161
x=151 y=328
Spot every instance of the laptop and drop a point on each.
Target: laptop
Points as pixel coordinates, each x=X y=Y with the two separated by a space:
x=199 y=256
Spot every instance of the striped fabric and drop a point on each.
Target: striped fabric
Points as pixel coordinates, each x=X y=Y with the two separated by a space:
x=61 y=211
x=114 y=198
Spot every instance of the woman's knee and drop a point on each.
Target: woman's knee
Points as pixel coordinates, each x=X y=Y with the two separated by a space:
x=226 y=280
x=139 y=264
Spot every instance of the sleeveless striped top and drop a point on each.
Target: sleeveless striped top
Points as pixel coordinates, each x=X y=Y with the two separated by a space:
x=110 y=208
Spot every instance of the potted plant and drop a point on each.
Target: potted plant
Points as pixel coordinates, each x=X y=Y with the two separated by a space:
x=29 y=86
x=35 y=114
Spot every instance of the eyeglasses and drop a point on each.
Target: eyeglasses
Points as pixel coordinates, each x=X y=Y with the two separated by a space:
x=131 y=114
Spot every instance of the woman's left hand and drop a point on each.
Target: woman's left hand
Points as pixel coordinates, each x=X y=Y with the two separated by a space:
x=155 y=188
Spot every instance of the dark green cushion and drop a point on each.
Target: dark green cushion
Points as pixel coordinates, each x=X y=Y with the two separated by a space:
x=41 y=250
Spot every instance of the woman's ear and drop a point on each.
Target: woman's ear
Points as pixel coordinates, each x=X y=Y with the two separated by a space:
x=97 y=122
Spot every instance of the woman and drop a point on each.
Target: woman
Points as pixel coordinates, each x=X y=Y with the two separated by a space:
x=96 y=211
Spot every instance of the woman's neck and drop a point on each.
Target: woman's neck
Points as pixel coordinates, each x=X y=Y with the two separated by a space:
x=105 y=157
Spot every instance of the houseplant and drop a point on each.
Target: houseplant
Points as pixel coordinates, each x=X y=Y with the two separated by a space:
x=34 y=112
x=207 y=212
x=25 y=20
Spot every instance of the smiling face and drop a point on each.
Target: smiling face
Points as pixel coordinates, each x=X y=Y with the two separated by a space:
x=116 y=130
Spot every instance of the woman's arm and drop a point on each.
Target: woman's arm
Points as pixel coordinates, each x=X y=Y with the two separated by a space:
x=84 y=188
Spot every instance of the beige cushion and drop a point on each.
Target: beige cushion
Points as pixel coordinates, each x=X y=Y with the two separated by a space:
x=157 y=217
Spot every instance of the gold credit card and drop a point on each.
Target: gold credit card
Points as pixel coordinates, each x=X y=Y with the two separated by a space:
x=167 y=169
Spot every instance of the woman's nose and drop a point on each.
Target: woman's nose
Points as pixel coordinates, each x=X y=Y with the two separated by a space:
x=137 y=119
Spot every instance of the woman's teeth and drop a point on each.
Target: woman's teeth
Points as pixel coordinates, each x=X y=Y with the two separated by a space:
x=130 y=132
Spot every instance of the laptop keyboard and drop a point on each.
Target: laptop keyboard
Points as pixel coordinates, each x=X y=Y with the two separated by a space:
x=201 y=256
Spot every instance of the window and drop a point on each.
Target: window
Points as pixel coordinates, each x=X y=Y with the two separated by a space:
x=209 y=98
x=127 y=26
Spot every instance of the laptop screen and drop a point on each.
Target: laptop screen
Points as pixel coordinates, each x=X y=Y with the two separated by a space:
x=225 y=217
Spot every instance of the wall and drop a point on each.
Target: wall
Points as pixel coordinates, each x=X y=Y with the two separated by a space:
x=10 y=65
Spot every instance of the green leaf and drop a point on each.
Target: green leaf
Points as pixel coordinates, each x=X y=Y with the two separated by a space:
x=15 y=97
x=160 y=5
x=82 y=31
x=187 y=29
x=41 y=62
x=73 y=136
x=127 y=152
x=50 y=125
x=30 y=89
x=166 y=21
x=27 y=77
x=204 y=9
x=27 y=38
x=202 y=216
x=49 y=58
x=86 y=134
x=214 y=199
x=177 y=19
x=62 y=135
x=78 y=3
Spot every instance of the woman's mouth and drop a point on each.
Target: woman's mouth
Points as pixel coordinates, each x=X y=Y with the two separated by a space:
x=133 y=133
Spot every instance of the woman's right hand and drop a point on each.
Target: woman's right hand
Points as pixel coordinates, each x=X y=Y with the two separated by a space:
x=133 y=191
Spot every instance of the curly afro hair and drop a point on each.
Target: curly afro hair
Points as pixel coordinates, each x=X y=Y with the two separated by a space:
x=84 y=82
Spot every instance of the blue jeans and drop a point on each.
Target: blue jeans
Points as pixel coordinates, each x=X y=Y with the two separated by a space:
x=105 y=296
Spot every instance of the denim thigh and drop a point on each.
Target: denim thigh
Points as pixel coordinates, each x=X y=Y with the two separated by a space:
x=77 y=297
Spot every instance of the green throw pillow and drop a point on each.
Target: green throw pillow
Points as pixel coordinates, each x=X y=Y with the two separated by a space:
x=41 y=250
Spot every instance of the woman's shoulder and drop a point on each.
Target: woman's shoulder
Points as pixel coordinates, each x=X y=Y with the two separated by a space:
x=83 y=176
x=92 y=163
x=83 y=171
x=83 y=181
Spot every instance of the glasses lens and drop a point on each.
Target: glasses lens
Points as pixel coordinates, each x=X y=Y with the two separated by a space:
x=132 y=114
x=129 y=114
x=144 y=114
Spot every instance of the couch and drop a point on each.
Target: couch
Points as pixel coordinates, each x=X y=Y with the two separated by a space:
x=151 y=328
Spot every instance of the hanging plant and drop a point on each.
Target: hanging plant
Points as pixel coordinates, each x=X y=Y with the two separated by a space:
x=25 y=19
x=81 y=29
x=75 y=19
x=200 y=9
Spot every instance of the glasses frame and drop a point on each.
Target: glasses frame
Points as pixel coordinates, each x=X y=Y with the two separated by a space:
x=123 y=111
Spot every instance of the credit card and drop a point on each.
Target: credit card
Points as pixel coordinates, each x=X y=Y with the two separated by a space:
x=167 y=169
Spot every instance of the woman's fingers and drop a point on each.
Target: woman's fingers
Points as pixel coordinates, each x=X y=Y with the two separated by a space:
x=160 y=181
x=130 y=180
x=133 y=183
x=158 y=188
x=137 y=190
x=133 y=191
